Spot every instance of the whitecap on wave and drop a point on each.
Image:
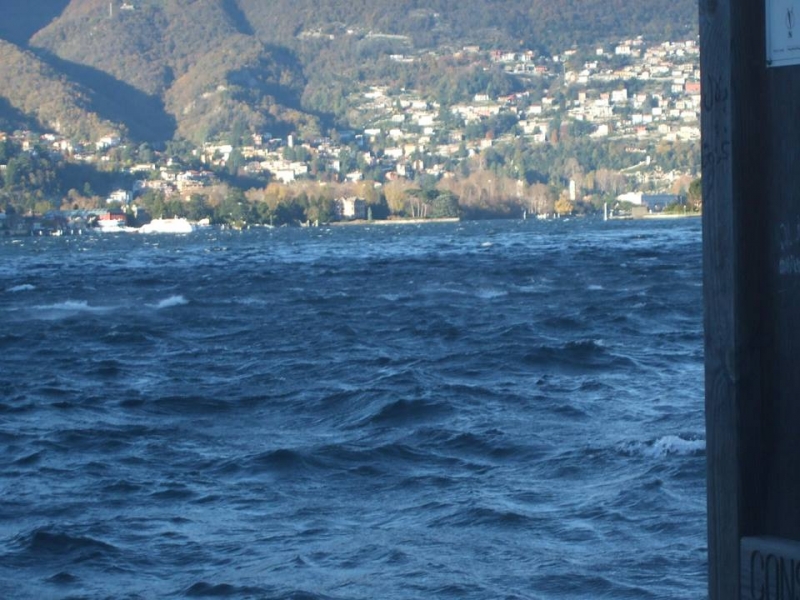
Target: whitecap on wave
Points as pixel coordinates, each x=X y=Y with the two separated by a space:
x=669 y=445
x=488 y=294
x=25 y=287
x=66 y=309
x=70 y=306
x=176 y=300
x=673 y=444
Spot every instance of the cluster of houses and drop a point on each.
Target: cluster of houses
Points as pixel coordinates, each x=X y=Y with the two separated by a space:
x=668 y=110
x=635 y=91
x=663 y=105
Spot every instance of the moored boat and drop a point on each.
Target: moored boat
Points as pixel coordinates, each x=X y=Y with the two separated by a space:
x=176 y=225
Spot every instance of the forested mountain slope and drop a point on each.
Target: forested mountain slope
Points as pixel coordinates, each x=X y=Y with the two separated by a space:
x=197 y=69
x=551 y=25
x=32 y=87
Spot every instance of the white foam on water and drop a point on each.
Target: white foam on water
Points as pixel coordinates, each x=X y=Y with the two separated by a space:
x=68 y=308
x=488 y=294
x=250 y=301
x=172 y=301
x=676 y=445
x=25 y=287
x=669 y=445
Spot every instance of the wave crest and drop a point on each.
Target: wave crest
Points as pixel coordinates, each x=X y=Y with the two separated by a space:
x=49 y=542
x=68 y=307
x=676 y=445
x=668 y=445
x=176 y=300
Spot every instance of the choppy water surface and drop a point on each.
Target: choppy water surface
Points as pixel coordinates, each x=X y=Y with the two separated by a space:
x=478 y=410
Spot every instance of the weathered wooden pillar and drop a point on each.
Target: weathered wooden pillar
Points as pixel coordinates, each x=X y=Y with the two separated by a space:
x=750 y=63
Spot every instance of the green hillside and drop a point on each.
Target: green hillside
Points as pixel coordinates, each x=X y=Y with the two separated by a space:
x=35 y=91
x=200 y=69
x=241 y=86
x=549 y=25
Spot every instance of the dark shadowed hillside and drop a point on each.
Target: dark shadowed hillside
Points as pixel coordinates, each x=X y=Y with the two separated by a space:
x=21 y=19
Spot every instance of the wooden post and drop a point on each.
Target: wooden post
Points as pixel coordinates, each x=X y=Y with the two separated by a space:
x=751 y=229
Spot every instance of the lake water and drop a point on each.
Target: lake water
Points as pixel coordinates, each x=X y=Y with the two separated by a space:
x=488 y=410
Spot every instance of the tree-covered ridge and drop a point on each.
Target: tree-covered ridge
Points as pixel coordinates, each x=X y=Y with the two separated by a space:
x=195 y=64
x=548 y=25
x=34 y=88
x=242 y=87
x=148 y=45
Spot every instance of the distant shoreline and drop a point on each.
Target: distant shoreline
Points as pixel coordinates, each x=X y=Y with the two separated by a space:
x=656 y=216
x=687 y=215
x=396 y=221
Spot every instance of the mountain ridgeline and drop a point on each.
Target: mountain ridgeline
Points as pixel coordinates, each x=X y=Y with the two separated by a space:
x=201 y=70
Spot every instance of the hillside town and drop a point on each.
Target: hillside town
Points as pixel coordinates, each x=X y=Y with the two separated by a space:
x=646 y=96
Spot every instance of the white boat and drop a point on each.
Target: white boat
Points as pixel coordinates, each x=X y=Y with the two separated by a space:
x=113 y=226
x=177 y=225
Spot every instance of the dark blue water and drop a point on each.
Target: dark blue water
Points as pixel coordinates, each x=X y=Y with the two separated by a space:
x=493 y=410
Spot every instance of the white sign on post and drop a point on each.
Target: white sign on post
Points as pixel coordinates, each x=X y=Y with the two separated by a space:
x=783 y=33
